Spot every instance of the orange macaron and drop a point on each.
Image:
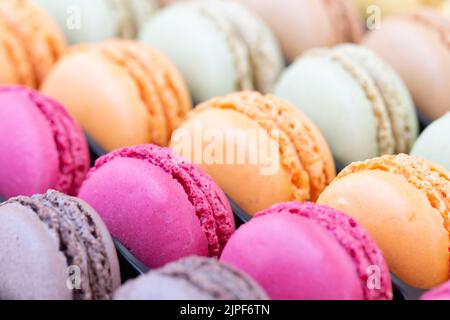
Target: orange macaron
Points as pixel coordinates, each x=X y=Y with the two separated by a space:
x=30 y=43
x=265 y=150
x=404 y=203
x=122 y=92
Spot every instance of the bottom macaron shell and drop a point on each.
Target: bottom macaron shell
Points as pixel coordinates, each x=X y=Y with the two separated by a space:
x=146 y=210
x=293 y=258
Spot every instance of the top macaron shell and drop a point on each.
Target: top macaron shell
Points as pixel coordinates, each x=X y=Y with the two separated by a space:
x=419 y=38
x=133 y=190
x=218 y=47
x=122 y=92
x=43 y=147
x=306 y=24
x=434 y=143
x=332 y=244
x=91 y=21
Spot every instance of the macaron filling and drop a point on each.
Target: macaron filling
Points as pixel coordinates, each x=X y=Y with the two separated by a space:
x=214 y=217
x=160 y=92
x=98 y=264
x=298 y=148
x=385 y=135
x=351 y=236
x=396 y=105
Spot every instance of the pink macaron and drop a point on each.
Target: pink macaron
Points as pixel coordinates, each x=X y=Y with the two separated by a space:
x=158 y=205
x=307 y=251
x=42 y=147
x=441 y=292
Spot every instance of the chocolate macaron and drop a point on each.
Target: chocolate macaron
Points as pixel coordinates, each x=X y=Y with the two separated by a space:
x=192 y=278
x=55 y=247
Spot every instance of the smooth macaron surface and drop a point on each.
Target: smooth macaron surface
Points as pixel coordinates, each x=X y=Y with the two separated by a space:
x=433 y=144
x=403 y=203
x=133 y=190
x=53 y=240
x=192 y=278
x=219 y=47
x=43 y=147
x=133 y=94
x=309 y=23
x=281 y=148
x=418 y=38
x=88 y=21
x=357 y=101
x=439 y=293
x=314 y=252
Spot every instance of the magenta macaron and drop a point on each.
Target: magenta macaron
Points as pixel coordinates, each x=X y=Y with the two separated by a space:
x=307 y=251
x=441 y=292
x=41 y=146
x=158 y=205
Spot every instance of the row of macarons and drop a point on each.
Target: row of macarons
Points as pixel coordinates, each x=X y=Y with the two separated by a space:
x=55 y=246
x=162 y=208
x=222 y=46
x=124 y=92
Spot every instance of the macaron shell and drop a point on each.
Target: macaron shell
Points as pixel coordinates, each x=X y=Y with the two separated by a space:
x=33 y=267
x=26 y=135
x=145 y=219
x=424 y=46
x=409 y=231
x=251 y=190
x=37 y=32
x=439 y=293
x=305 y=24
x=215 y=73
x=83 y=20
x=323 y=270
x=14 y=61
x=351 y=132
x=433 y=144
x=100 y=109
x=398 y=102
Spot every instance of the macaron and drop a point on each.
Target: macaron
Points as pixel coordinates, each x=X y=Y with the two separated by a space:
x=92 y=21
x=42 y=147
x=192 y=278
x=258 y=148
x=55 y=247
x=122 y=92
x=403 y=201
x=389 y=7
x=359 y=103
x=306 y=24
x=434 y=143
x=219 y=47
x=30 y=43
x=414 y=39
x=306 y=251
x=158 y=205
x=440 y=293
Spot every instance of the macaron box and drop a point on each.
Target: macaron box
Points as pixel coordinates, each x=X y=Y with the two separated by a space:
x=224 y=150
